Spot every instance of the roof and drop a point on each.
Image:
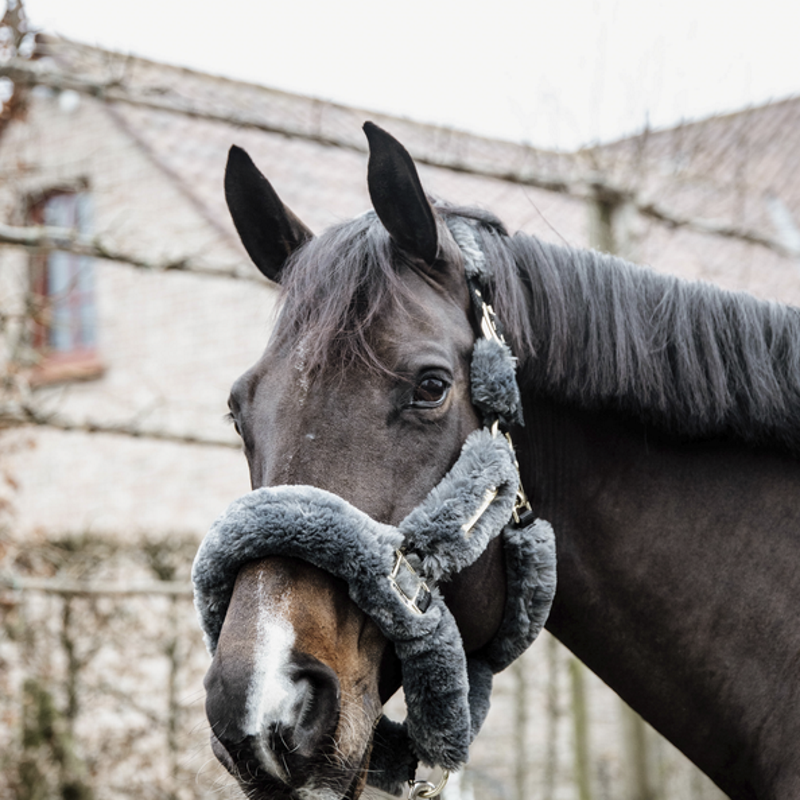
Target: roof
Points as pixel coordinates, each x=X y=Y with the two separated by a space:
x=283 y=133
x=739 y=169
x=735 y=170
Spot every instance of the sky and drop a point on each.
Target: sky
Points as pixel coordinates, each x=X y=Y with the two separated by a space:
x=558 y=74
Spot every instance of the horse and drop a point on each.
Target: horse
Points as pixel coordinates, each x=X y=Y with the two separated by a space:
x=661 y=440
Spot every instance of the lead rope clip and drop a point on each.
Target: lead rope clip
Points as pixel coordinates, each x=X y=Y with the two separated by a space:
x=425 y=789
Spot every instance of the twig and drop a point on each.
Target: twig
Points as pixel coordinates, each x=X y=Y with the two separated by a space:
x=39 y=237
x=15 y=415
x=64 y=586
x=584 y=187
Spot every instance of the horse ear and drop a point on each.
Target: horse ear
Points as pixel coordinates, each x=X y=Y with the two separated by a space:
x=398 y=197
x=269 y=231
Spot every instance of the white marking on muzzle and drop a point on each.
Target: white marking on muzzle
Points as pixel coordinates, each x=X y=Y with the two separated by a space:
x=271 y=694
x=314 y=793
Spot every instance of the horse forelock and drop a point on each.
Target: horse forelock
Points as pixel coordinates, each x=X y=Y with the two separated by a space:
x=339 y=284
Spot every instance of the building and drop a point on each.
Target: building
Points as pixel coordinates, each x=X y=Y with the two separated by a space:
x=114 y=454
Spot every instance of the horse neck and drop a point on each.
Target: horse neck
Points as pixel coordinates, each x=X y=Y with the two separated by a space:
x=677 y=571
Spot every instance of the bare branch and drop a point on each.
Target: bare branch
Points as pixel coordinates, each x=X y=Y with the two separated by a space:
x=583 y=188
x=130 y=701
x=39 y=237
x=14 y=415
x=69 y=241
x=711 y=228
x=65 y=586
x=35 y=74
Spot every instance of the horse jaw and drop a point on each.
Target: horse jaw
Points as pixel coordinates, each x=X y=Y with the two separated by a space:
x=285 y=723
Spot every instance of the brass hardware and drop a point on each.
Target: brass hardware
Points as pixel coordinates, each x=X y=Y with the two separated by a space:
x=408 y=585
x=425 y=789
x=522 y=506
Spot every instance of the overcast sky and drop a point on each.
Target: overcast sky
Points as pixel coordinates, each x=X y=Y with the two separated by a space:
x=554 y=74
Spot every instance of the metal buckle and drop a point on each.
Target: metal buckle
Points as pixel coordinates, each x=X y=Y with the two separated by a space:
x=425 y=789
x=489 y=327
x=408 y=585
x=488 y=317
x=522 y=513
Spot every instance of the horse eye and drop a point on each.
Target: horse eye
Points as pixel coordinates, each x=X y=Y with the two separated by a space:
x=230 y=418
x=430 y=392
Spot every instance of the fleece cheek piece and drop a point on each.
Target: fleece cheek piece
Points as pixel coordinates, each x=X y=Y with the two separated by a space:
x=447 y=694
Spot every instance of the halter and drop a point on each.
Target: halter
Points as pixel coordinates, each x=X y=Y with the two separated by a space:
x=393 y=573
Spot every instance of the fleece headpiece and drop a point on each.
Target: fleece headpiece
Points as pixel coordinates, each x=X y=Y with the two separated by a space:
x=392 y=573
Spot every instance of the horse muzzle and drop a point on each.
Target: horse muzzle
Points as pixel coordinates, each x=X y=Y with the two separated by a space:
x=293 y=729
x=288 y=745
x=281 y=719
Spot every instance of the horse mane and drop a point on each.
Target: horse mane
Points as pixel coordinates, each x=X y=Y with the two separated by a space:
x=588 y=328
x=695 y=360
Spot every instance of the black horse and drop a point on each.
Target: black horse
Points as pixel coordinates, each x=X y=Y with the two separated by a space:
x=661 y=440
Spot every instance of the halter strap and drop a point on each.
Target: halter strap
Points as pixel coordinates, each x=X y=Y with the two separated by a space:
x=478 y=275
x=496 y=400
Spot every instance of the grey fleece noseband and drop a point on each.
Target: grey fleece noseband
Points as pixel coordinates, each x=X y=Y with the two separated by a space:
x=393 y=573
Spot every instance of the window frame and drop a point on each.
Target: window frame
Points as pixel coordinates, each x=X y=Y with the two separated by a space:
x=79 y=359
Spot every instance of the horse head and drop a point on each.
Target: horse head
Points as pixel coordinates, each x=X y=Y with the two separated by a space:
x=363 y=391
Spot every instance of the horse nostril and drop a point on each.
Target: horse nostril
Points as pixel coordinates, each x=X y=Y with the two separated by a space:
x=274 y=727
x=316 y=707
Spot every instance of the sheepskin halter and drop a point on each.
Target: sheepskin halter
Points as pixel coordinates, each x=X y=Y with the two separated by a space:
x=393 y=573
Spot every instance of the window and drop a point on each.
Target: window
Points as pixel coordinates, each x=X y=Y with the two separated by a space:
x=65 y=318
